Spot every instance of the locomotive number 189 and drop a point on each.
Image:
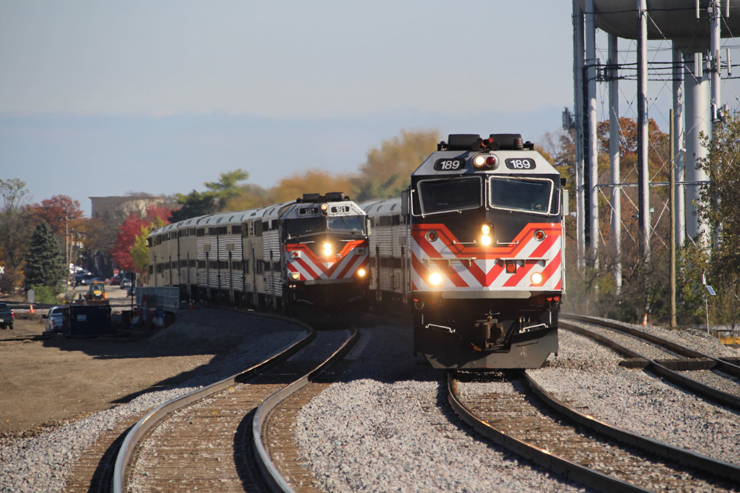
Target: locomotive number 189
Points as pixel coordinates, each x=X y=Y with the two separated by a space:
x=520 y=163
x=453 y=164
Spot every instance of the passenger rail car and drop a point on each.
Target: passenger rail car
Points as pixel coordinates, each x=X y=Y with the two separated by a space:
x=476 y=247
x=307 y=258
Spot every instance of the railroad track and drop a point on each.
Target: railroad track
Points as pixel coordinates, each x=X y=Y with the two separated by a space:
x=213 y=439
x=719 y=377
x=533 y=424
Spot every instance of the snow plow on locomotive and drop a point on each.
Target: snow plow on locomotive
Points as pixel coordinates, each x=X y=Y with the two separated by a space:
x=481 y=235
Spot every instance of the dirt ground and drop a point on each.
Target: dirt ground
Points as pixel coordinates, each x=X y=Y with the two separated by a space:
x=43 y=382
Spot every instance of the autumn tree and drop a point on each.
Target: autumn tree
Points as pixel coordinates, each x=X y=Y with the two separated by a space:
x=44 y=263
x=387 y=169
x=643 y=284
x=250 y=196
x=15 y=230
x=312 y=181
x=130 y=229
x=58 y=212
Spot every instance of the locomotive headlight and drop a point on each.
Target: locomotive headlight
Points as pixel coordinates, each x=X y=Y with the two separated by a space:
x=479 y=161
x=485 y=239
x=295 y=275
x=324 y=207
x=435 y=279
x=536 y=278
x=361 y=272
x=327 y=249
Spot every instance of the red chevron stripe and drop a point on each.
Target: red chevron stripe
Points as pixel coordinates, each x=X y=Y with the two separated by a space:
x=418 y=232
x=550 y=269
x=493 y=274
x=544 y=246
x=522 y=271
x=451 y=274
x=418 y=267
x=307 y=268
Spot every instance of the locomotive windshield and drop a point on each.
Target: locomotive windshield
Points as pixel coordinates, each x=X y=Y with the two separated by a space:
x=450 y=195
x=309 y=225
x=352 y=224
x=530 y=195
x=304 y=226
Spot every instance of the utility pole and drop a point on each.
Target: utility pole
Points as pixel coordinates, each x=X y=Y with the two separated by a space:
x=672 y=202
x=642 y=134
x=66 y=256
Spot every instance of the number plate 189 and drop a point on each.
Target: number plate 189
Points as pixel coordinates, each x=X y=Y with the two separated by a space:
x=520 y=163
x=453 y=164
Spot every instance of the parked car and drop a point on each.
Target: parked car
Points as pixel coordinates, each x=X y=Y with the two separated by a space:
x=7 y=317
x=115 y=280
x=54 y=319
x=83 y=279
x=125 y=283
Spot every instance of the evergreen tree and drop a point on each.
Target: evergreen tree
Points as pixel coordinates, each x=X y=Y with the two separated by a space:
x=44 y=263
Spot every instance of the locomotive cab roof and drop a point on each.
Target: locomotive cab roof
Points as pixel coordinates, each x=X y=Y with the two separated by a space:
x=469 y=154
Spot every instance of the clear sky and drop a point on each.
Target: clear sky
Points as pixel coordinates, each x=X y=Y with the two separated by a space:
x=105 y=98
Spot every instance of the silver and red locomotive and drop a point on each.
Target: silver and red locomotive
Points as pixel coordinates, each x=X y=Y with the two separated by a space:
x=477 y=251
x=307 y=258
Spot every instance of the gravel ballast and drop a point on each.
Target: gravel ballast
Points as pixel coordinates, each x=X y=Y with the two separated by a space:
x=641 y=403
x=696 y=339
x=387 y=426
x=42 y=463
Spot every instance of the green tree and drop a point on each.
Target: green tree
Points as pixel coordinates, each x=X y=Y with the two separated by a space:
x=719 y=209
x=194 y=204
x=44 y=263
x=140 y=250
x=15 y=230
x=226 y=187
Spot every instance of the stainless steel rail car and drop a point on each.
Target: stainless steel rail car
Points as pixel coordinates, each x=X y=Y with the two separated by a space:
x=308 y=257
x=475 y=246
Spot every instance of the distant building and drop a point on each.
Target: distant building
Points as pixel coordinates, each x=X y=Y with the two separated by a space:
x=117 y=209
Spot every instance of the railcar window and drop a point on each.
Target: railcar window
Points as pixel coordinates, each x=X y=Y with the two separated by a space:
x=353 y=224
x=529 y=195
x=450 y=195
x=297 y=227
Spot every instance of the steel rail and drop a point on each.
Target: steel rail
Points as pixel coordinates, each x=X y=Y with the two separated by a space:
x=142 y=427
x=549 y=461
x=721 y=364
x=661 y=449
x=699 y=388
x=269 y=472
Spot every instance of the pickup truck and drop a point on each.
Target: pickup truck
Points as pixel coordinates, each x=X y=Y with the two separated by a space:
x=7 y=317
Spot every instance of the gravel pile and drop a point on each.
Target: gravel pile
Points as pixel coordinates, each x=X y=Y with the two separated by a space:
x=641 y=403
x=42 y=463
x=387 y=426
